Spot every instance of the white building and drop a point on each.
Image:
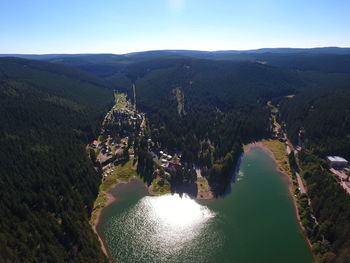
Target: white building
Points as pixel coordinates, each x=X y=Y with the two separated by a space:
x=337 y=161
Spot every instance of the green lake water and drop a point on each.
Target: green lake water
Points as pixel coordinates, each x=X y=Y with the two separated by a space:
x=254 y=223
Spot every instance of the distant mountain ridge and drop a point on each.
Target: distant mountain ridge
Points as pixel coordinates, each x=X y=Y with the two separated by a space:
x=317 y=50
x=111 y=67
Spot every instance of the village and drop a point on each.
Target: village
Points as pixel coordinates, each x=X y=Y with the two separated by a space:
x=114 y=148
x=113 y=143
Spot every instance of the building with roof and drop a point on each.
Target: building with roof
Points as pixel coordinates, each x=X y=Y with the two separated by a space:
x=94 y=144
x=337 y=161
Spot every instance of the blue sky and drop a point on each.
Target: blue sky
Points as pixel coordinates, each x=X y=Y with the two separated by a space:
x=120 y=26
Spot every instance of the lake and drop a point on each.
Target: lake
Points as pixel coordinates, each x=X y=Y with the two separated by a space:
x=254 y=223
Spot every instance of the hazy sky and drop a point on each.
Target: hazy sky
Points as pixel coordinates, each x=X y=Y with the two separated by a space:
x=120 y=26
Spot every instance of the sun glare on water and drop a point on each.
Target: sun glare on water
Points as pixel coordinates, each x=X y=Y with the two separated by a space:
x=176 y=212
x=164 y=227
x=173 y=222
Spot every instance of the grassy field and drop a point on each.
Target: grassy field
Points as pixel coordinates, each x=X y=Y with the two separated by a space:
x=122 y=173
x=100 y=203
x=120 y=100
x=203 y=185
x=279 y=152
x=274 y=110
x=275 y=122
x=157 y=189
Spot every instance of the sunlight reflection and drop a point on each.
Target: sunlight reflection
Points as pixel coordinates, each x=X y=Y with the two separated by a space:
x=175 y=211
x=165 y=226
x=173 y=222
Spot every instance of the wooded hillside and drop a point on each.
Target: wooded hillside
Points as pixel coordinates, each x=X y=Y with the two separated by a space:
x=47 y=183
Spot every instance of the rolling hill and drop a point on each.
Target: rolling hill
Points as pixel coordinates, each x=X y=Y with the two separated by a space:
x=47 y=184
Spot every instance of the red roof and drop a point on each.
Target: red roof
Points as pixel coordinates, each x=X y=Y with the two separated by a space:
x=173 y=165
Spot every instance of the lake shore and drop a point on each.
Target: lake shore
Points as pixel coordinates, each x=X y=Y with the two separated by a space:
x=278 y=153
x=110 y=199
x=275 y=149
x=241 y=207
x=97 y=221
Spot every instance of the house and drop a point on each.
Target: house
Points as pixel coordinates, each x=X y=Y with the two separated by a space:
x=337 y=161
x=174 y=165
x=94 y=144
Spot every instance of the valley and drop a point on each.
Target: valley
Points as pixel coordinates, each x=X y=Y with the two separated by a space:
x=81 y=135
x=174 y=131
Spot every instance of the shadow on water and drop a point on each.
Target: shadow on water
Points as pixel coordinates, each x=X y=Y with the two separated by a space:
x=185 y=183
x=182 y=188
x=223 y=188
x=228 y=189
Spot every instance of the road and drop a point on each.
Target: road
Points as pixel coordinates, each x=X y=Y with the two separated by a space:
x=288 y=149
x=342 y=179
x=300 y=183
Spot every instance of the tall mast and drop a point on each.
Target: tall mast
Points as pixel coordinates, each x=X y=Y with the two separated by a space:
x=134 y=89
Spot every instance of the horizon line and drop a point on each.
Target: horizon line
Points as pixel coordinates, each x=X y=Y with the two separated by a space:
x=155 y=50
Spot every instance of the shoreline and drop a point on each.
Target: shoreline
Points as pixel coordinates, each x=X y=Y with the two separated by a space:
x=111 y=199
x=98 y=220
x=263 y=145
x=268 y=149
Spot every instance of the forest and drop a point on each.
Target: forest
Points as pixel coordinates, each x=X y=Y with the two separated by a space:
x=47 y=182
x=322 y=116
x=229 y=97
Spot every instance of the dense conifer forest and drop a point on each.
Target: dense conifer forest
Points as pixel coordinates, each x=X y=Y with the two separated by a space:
x=47 y=182
x=323 y=117
x=222 y=106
